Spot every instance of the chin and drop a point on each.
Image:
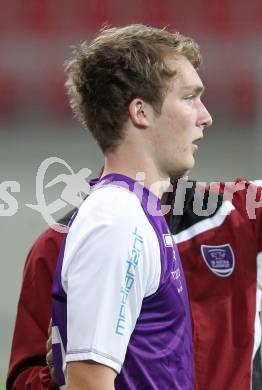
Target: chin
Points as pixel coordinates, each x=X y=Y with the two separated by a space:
x=190 y=165
x=177 y=175
x=178 y=172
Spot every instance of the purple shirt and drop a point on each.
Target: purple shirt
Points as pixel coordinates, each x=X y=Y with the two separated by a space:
x=158 y=354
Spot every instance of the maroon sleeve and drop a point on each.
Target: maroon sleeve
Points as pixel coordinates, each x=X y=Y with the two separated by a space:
x=248 y=200
x=256 y=204
x=27 y=367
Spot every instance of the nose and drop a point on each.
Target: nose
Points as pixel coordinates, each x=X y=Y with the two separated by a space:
x=204 y=118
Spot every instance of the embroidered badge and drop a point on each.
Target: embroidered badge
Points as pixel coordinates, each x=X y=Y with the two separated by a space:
x=220 y=259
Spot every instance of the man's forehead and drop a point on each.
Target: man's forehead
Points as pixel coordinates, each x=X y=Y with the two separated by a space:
x=186 y=75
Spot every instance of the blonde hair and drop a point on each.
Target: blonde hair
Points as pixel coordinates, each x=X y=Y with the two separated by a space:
x=121 y=64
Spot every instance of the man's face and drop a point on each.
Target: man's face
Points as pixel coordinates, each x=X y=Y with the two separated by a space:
x=181 y=121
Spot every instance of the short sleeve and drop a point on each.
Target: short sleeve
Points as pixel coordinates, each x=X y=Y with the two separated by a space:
x=111 y=263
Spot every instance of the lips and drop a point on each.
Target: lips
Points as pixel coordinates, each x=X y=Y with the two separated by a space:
x=195 y=147
x=195 y=142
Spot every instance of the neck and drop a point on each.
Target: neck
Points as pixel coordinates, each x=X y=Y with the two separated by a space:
x=139 y=168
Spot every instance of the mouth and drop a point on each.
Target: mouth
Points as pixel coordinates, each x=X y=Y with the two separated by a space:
x=195 y=144
x=195 y=148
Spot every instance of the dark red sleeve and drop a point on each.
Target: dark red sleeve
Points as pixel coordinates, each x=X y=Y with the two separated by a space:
x=27 y=367
x=257 y=221
x=249 y=203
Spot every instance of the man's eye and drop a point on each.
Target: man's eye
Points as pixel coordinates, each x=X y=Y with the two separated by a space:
x=190 y=97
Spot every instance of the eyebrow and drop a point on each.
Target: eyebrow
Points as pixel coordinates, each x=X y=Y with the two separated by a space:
x=197 y=90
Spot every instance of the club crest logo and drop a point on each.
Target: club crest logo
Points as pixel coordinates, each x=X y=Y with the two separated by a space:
x=220 y=259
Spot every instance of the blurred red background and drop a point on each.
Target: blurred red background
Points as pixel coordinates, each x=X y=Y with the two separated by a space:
x=35 y=39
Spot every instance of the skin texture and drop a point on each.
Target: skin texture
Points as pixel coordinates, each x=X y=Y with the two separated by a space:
x=181 y=122
x=89 y=375
x=49 y=355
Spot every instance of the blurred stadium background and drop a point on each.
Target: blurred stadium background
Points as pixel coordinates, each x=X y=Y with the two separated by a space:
x=36 y=123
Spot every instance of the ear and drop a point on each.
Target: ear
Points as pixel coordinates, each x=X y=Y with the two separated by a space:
x=138 y=112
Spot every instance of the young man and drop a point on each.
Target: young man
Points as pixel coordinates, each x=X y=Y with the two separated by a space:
x=220 y=305
x=121 y=315
x=223 y=308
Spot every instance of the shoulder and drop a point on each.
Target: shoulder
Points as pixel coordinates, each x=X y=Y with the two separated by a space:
x=107 y=221
x=45 y=250
x=207 y=205
x=110 y=205
x=245 y=196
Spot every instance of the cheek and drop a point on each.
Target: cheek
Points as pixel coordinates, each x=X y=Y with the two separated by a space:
x=182 y=149
x=183 y=139
x=182 y=119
